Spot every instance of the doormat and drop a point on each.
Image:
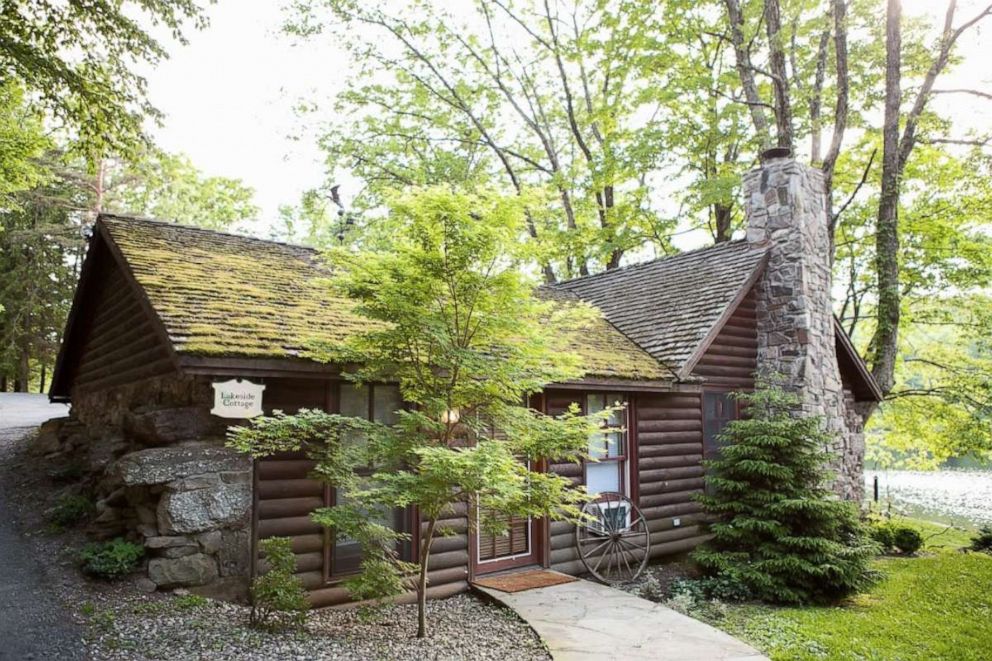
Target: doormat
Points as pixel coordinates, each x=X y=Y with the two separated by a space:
x=525 y=580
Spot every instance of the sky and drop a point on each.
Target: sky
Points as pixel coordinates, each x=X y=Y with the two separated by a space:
x=229 y=96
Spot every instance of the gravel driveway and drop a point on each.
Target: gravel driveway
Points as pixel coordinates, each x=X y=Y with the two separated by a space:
x=33 y=624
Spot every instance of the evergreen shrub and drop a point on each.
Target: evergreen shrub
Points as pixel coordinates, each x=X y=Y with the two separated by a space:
x=983 y=540
x=779 y=534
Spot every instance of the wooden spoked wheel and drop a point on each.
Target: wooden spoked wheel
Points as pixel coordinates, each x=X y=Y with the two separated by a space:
x=613 y=541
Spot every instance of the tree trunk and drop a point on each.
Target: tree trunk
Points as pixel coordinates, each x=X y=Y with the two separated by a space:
x=23 y=372
x=425 y=556
x=722 y=217
x=780 y=75
x=41 y=384
x=3 y=383
x=884 y=345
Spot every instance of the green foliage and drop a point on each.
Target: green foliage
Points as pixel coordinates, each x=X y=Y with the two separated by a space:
x=452 y=320
x=40 y=250
x=780 y=534
x=883 y=533
x=932 y=607
x=22 y=142
x=169 y=187
x=71 y=510
x=111 y=559
x=567 y=112
x=79 y=60
x=982 y=541
x=907 y=540
x=278 y=599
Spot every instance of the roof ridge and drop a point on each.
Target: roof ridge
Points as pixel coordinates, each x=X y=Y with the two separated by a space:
x=206 y=230
x=652 y=262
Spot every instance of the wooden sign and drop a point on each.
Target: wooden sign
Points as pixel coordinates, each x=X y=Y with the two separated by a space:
x=237 y=399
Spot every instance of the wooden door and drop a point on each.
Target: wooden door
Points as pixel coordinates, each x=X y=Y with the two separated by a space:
x=519 y=546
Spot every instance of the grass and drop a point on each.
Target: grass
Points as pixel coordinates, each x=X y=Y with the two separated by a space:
x=936 y=606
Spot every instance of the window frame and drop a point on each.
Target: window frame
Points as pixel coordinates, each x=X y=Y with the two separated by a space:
x=623 y=458
x=408 y=550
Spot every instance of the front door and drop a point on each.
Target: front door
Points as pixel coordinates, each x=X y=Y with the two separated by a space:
x=517 y=547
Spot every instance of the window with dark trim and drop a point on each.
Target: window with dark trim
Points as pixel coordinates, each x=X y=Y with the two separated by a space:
x=378 y=402
x=719 y=409
x=609 y=473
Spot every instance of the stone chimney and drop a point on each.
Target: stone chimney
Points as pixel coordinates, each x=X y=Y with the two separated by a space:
x=786 y=211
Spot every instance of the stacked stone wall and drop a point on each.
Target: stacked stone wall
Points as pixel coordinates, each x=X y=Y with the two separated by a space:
x=786 y=209
x=154 y=459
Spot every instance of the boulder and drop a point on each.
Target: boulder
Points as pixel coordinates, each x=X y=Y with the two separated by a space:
x=195 y=569
x=164 y=426
x=161 y=465
x=204 y=509
x=48 y=439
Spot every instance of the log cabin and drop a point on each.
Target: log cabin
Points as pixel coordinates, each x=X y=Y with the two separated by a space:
x=164 y=312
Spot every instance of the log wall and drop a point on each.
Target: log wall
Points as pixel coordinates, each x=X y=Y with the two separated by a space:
x=285 y=495
x=732 y=357
x=120 y=344
x=666 y=446
x=669 y=429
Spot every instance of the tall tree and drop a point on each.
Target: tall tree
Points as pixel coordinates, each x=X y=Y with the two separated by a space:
x=452 y=320
x=78 y=59
x=41 y=236
x=547 y=94
x=899 y=131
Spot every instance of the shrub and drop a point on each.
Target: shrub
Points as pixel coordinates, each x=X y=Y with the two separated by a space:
x=111 y=559
x=982 y=541
x=883 y=533
x=278 y=600
x=907 y=540
x=71 y=510
x=780 y=535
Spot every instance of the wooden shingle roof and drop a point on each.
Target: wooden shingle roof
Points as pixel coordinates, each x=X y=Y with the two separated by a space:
x=223 y=295
x=668 y=306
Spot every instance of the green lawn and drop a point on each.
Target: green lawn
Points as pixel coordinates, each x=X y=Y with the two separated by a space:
x=937 y=606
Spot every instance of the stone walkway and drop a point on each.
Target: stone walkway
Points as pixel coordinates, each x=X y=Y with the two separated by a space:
x=33 y=624
x=583 y=621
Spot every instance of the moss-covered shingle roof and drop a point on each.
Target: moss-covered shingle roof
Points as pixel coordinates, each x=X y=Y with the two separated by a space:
x=223 y=295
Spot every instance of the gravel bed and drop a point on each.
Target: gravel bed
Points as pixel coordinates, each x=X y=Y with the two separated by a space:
x=170 y=627
x=121 y=622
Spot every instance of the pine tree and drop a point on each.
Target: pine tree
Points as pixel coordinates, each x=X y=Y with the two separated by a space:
x=779 y=532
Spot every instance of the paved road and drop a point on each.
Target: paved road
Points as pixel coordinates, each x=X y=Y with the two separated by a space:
x=586 y=621
x=33 y=625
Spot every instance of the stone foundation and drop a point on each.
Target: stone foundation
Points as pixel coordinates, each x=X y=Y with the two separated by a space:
x=155 y=460
x=786 y=210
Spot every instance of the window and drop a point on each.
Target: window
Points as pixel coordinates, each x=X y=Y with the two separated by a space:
x=719 y=409
x=380 y=403
x=608 y=474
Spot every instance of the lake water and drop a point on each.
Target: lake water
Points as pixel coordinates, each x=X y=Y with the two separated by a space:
x=959 y=497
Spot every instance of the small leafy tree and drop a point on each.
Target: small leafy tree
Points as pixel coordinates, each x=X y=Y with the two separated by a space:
x=779 y=533
x=278 y=598
x=449 y=315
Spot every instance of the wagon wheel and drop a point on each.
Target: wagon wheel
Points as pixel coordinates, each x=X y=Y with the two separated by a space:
x=613 y=541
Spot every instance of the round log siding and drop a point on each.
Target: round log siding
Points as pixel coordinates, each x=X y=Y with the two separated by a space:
x=732 y=357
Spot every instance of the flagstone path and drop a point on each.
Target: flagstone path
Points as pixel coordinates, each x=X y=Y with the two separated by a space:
x=583 y=621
